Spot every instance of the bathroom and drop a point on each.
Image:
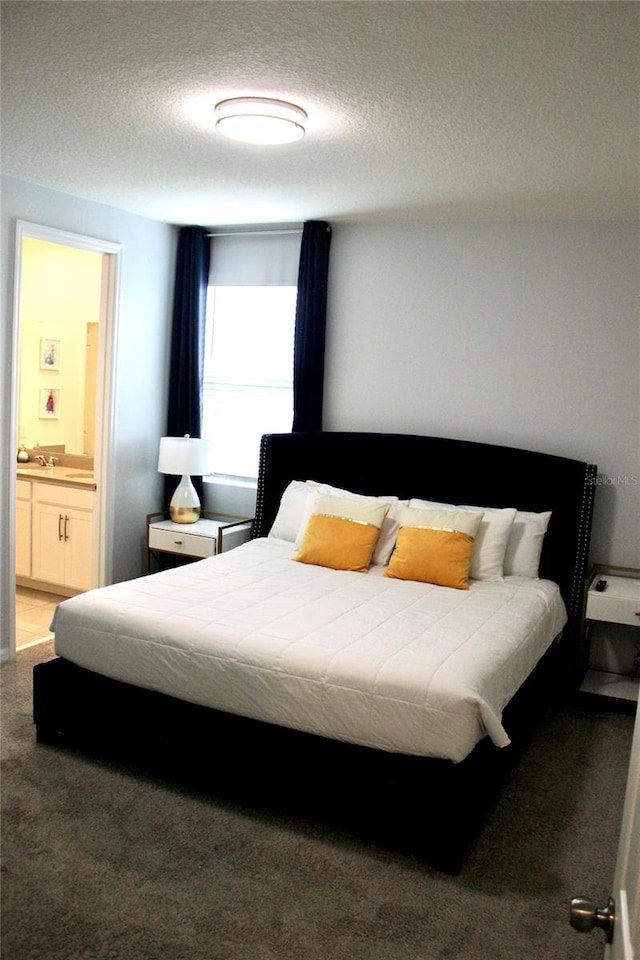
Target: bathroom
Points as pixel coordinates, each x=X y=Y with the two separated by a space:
x=60 y=313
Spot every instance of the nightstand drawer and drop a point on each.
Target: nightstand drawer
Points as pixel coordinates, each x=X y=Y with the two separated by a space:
x=619 y=603
x=189 y=544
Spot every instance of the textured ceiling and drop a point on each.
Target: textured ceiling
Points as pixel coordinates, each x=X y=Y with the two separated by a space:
x=417 y=110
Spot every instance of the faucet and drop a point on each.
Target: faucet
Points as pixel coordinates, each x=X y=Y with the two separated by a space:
x=51 y=462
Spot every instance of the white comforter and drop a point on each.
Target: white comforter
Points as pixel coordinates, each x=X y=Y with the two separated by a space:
x=399 y=666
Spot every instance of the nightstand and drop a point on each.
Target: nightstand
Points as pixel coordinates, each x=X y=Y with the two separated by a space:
x=612 y=634
x=208 y=536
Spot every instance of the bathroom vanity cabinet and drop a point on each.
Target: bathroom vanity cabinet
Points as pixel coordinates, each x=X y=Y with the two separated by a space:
x=55 y=531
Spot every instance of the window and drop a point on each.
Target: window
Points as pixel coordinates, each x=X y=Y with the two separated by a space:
x=248 y=373
x=248 y=368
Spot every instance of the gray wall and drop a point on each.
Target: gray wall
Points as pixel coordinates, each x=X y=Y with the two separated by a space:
x=520 y=334
x=141 y=361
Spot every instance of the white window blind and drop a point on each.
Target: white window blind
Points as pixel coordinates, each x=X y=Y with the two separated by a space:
x=268 y=259
x=248 y=372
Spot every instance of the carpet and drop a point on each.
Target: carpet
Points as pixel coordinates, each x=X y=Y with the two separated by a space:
x=102 y=862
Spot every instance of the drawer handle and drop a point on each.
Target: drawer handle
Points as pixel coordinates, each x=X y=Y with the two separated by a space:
x=177 y=543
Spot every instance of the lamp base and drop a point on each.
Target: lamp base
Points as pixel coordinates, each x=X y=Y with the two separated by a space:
x=185 y=503
x=184 y=514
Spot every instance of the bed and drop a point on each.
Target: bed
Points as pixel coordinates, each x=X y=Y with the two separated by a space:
x=286 y=673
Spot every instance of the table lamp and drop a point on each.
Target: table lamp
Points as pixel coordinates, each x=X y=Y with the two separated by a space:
x=183 y=456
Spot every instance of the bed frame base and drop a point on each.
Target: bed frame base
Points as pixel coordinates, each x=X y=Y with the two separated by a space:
x=432 y=810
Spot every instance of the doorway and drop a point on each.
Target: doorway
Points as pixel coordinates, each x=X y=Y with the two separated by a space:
x=100 y=344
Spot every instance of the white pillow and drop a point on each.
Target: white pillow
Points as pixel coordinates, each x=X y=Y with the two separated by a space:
x=389 y=532
x=290 y=512
x=487 y=562
x=522 y=558
x=390 y=525
x=491 y=540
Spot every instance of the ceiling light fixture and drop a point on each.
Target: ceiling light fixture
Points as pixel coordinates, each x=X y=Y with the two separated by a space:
x=260 y=120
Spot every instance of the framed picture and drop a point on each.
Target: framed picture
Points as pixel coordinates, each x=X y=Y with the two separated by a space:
x=49 y=403
x=49 y=354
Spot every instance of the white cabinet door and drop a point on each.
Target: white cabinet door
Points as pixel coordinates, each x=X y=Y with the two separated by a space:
x=49 y=548
x=62 y=548
x=79 y=549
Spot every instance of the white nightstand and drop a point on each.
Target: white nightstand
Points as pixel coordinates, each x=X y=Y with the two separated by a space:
x=612 y=633
x=208 y=536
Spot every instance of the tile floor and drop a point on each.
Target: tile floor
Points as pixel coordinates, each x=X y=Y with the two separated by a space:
x=34 y=610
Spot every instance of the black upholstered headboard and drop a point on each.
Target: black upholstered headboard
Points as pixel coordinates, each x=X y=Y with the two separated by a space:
x=452 y=471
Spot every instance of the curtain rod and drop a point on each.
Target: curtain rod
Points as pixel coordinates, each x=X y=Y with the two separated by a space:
x=251 y=233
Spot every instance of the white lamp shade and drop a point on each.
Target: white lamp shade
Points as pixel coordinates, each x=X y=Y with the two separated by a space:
x=184 y=455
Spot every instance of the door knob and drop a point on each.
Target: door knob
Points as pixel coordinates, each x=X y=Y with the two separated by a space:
x=584 y=916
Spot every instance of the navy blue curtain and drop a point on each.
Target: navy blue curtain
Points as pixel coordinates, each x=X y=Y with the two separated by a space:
x=184 y=413
x=311 y=316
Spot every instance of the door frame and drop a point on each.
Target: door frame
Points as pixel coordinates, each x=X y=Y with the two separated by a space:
x=104 y=460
